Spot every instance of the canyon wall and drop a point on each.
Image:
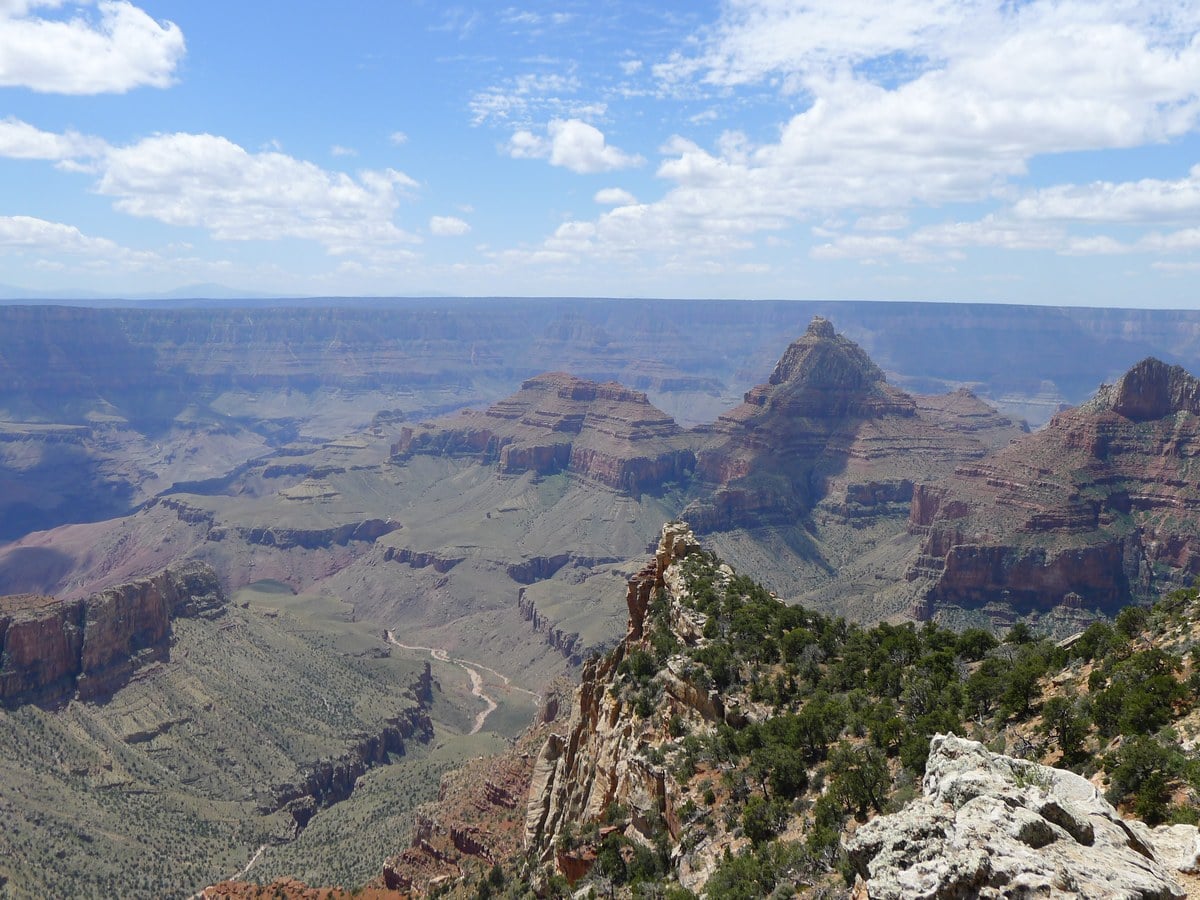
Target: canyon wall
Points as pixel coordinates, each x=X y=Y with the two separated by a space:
x=52 y=651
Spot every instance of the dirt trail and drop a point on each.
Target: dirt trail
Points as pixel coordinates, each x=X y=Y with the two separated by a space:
x=472 y=669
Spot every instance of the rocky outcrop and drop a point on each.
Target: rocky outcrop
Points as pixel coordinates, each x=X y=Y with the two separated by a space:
x=601 y=759
x=1101 y=504
x=568 y=643
x=420 y=559
x=991 y=826
x=558 y=422
x=313 y=538
x=478 y=817
x=52 y=651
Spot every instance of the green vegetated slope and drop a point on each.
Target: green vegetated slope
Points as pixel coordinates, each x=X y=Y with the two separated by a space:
x=172 y=783
x=833 y=726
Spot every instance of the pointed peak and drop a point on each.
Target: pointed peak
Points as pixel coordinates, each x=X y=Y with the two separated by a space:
x=1152 y=389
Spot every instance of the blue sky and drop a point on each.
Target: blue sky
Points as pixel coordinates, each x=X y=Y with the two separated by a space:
x=1034 y=152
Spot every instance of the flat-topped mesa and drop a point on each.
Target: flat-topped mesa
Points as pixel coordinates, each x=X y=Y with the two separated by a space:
x=52 y=650
x=1151 y=390
x=558 y=422
x=1100 y=506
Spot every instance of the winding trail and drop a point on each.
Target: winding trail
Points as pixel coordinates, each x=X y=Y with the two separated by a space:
x=472 y=669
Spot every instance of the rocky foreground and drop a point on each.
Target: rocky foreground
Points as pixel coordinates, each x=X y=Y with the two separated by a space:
x=991 y=826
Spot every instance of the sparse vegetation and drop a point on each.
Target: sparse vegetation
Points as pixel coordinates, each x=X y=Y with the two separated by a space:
x=837 y=720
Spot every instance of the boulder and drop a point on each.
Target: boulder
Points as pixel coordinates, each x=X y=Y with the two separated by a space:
x=991 y=826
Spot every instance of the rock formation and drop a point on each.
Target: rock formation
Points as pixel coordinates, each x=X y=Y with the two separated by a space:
x=479 y=815
x=991 y=826
x=828 y=425
x=601 y=759
x=52 y=650
x=558 y=422
x=1101 y=504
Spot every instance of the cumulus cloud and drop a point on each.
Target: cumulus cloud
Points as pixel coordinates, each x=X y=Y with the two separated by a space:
x=46 y=242
x=202 y=180
x=1145 y=200
x=20 y=140
x=112 y=50
x=614 y=197
x=399 y=138
x=919 y=103
x=572 y=144
x=448 y=226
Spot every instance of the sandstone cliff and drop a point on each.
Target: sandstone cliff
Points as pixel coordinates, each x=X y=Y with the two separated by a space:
x=991 y=826
x=51 y=651
x=1097 y=510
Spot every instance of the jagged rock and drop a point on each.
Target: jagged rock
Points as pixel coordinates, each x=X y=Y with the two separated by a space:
x=991 y=826
x=600 y=761
x=331 y=781
x=828 y=425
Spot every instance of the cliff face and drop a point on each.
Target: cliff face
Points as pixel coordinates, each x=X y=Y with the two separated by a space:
x=558 y=422
x=991 y=826
x=51 y=651
x=1099 y=509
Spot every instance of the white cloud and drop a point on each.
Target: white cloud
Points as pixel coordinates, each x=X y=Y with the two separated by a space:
x=918 y=103
x=581 y=147
x=201 y=180
x=572 y=144
x=339 y=150
x=399 y=138
x=20 y=140
x=448 y=226
x=115 y=50
x=522 y=99
x=883 y=222
x=527 y=145
x=1146 y=200
x=614 y=197
x=631 y=66
x=47 y=242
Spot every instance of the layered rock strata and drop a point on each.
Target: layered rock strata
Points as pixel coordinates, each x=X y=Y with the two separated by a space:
x=52 y=651
x=828 y=427
x=599 y=760
x=1101 y=506
x=558 y=422
x=990 y=826
x=331 y=781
